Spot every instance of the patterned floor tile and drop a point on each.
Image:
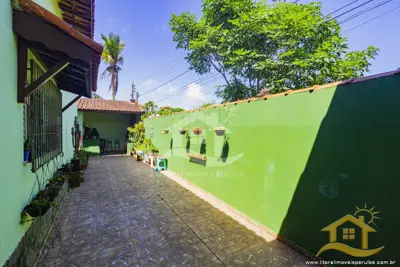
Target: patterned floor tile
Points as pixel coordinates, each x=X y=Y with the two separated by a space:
x=126 y=214
x=273 y=253
x=242 y=258
x=222 y=245
x=194 y=255
x=206 y=229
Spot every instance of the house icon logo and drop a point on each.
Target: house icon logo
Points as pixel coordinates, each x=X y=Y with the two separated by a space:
x=339 y=235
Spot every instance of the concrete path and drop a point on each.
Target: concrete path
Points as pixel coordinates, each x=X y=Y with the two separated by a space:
x=125 y=214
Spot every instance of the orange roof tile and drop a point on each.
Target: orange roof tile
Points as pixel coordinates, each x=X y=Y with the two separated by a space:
x=115 y=106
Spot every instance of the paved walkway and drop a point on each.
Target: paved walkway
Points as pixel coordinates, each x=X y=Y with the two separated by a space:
x=125 y=214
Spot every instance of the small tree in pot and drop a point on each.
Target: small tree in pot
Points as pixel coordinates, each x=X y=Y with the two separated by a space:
x=76 y=136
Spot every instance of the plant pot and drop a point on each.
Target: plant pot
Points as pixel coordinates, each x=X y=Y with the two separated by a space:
x=219 y=131
x=83 y=166
x=36 y=210
x=197 y=131
x=52 y=190
x=26 y=155
x=129 y=148
x=66 y=169
x=165 y=131
x=76 y=165
x=75 y=180
x=199 y=159
x=182 y=131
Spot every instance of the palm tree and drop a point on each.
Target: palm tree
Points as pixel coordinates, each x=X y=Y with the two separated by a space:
x=112 y=56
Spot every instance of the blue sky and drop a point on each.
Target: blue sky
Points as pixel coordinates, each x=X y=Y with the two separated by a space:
x=143 y=26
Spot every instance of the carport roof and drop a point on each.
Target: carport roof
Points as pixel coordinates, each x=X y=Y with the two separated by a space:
x=113 y=106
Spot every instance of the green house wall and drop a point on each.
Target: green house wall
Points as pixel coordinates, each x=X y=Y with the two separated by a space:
x=297 y=163
x=16 y=179
x=110 y=126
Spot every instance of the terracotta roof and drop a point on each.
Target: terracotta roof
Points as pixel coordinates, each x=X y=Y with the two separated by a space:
x=116 y=106
x=31 y=7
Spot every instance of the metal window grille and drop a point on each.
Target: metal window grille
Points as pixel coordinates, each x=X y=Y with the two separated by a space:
x=43 y=120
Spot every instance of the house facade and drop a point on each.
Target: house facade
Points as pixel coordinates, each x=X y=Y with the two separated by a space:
x=109 y=119
x=49 y=61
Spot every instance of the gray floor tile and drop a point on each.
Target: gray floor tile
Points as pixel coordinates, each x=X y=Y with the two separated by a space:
x=126 y=214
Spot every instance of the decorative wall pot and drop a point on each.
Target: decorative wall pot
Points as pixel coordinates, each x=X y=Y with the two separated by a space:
x=201 y=157
x=219 y=131
x=183 y=131
x=165 y=131
x=197 y=130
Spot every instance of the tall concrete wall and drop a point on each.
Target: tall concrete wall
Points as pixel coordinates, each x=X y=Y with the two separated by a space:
x=298 y=163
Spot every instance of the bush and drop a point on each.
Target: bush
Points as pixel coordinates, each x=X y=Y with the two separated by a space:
x=136 y=134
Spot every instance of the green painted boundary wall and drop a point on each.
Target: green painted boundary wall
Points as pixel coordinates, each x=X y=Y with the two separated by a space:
x=17 y=182
x=298 y=163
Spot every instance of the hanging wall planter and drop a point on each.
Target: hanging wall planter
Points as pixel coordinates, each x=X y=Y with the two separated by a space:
x=165 y=131
x=198 y=159
x=197 y=130
x=183 y=131
x=219 y=131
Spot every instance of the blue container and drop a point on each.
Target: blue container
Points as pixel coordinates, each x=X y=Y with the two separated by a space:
x=26 y=155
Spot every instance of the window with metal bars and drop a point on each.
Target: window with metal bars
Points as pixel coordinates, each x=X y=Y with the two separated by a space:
x=43 y=120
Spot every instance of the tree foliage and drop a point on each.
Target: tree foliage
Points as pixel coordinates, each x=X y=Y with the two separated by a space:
x=255 y=45
x=168 y=110
x=149 y=108
x=136 y=134
x=211 y=103
x=112 y=57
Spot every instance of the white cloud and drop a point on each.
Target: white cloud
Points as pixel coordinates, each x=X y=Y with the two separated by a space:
x=195 y=93
x=147 y=82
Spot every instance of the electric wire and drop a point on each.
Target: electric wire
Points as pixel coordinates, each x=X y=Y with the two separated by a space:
x=176 y=77
x=354 y=8
x=158 y=72
x=364 y=11
x=199 y=81
x=341 y=8
x=374 y=18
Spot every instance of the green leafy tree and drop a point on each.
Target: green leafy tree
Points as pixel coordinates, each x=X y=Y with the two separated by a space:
x=136 y=133
x=211 y=103
x=150 y=109
x=168 y=110
x=255 y=45
x=112 y=57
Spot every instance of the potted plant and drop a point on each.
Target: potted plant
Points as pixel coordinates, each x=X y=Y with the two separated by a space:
x=219 y=131
x=75 y=179
x=197 y=130
x=52 y=190
x=38 y=207
x=165 y=131
x=183 y=131
x=199 y=157
x=27 y=150
x=76 y=134
x=65 y=169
